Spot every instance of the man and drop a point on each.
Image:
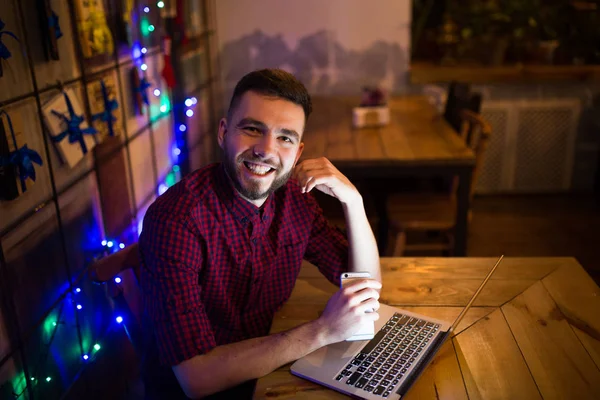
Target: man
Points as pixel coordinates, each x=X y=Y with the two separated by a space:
x=221 y=250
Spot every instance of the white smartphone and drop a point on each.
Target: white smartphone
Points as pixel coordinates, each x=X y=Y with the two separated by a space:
x=367 y=329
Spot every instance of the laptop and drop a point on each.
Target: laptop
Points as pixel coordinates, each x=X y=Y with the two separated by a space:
x=389 y=364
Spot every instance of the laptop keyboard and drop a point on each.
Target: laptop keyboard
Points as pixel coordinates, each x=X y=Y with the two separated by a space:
x=382 y=363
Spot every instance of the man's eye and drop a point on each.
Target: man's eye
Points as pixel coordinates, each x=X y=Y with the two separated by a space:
x=251 y=129
x=286 y=139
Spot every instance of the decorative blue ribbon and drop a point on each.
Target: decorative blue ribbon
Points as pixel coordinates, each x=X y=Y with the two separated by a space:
x=53 y=23
x=22 y=158
x=144 y=85
x=4 y=52
x=109 y=106
x=73 y=131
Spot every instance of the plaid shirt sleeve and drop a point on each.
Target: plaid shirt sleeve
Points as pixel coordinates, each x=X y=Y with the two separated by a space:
x=327 y=246
x=172 y=257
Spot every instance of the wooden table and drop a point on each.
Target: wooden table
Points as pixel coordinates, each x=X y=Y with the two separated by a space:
x=417 y=142
x=533 y=333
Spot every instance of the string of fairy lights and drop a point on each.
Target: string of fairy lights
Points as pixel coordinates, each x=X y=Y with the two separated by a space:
x=37 y=375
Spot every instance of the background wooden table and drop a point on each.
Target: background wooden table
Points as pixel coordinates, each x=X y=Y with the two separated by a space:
x=533 y=333
x=417 y=142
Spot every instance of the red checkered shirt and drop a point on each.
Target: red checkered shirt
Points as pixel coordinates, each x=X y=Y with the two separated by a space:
x=215 y=268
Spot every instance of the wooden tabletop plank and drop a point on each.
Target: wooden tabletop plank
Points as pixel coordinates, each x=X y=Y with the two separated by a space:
x=283 y=385
x=415 y=135
x=470 y=268
x=340 y=149
x=368 y=145
x=441 y=379
x=405 y=291
x=545 y=338
x=491 y=363
x=577 y=296
x=591 y=345
x=396 y=143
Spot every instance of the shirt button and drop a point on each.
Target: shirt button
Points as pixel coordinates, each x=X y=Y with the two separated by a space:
x=254 y=240
x=265 y=218
x=244 y=220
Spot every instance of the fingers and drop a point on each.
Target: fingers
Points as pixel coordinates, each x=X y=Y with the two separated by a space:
x=315 y=167
x=371 y=316
x=363 y=296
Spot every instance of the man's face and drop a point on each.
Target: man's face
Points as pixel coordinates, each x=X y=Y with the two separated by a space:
x=261 y=144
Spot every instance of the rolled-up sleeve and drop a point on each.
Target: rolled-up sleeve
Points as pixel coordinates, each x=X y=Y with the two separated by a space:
x=171 y=259
x=327 y=246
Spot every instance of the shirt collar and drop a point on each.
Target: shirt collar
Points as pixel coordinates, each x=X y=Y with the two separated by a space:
x=241 y=209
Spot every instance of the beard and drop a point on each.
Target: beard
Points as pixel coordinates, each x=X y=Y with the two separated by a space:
x=252 y=191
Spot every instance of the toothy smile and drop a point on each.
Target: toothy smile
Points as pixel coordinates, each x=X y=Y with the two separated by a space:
x=258 y=169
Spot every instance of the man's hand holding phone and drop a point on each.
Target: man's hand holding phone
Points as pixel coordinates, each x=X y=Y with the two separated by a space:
x=351 y=312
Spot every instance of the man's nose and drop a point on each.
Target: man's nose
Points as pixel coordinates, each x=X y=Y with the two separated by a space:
x=265 y=147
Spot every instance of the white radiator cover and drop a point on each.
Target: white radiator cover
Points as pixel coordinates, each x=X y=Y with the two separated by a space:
x=532 y=146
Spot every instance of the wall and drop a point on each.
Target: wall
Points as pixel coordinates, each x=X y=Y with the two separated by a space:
x=333 y=46
x=51 y=232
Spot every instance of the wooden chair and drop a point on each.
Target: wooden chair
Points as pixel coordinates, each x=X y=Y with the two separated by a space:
x=460 y=97
x=126 y=294
x=105 y=269
x=432 y=216
x=457 y=100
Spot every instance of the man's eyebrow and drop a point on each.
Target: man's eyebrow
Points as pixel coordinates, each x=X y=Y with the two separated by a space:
x=290 y=132
x=252 y=121
x=261 y=125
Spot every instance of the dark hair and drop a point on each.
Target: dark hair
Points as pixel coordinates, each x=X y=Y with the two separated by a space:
x=273 y=83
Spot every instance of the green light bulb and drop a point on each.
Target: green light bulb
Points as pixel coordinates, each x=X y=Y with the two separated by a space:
x=97 y=347
x=48 y=379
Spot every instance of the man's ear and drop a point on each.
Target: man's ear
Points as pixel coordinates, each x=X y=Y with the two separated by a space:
x=222 y=131
x=300 y=149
